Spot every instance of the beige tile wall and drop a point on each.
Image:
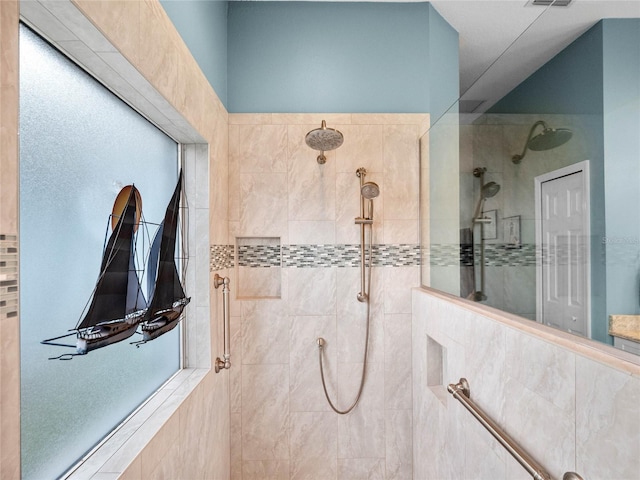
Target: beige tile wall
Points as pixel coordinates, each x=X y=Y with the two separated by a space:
x=194 y=439
x=282 y=425
x=572 y=407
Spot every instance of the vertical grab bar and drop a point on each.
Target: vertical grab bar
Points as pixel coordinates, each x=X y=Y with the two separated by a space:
x=226 y=330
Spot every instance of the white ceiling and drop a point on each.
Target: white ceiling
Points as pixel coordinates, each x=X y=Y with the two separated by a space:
x=515 y=38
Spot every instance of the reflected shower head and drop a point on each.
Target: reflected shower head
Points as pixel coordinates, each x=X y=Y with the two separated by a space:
x=324 y=139
x=370 y=190
x=489 y=190
x=548 y=139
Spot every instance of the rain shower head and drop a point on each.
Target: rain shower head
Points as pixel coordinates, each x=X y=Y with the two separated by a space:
x=370 y=190
x=548 y=139
x=324 y=139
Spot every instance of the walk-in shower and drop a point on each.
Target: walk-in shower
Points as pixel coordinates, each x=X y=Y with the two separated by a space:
x=368 y=191
x=487 y=190
x=546 y=140
x=324 y=139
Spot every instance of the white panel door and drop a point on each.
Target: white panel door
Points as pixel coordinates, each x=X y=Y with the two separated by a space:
x=564 y=250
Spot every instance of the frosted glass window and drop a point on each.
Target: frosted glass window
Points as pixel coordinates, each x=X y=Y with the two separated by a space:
x=79 y=145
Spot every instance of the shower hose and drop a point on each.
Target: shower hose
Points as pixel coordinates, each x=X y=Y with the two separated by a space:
x=366 y=342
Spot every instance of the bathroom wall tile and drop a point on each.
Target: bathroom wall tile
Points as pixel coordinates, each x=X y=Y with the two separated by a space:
x=259 y=282
x=481 y=460
x=262 y=148
x=545 y=431
x=250 y=118
x=234 y=173
x=489 y=149
x=265 y=332
x=265 y=413
x=314 y=443
x=312 y=187
x=362 y=147
x=397 y=361
x=155 y=452
x=362 y=432
x=607 y=421
x=315 y=119
x=235 y=373
x=312 y=233
x=401 y=172
x=544 y=369
x=265 y=470
x=305 y=392
x=10 y=398
x=236 y=446
x=401 y=231
x=133 y=471
x=398 y=283
x=398 y=446
x=263 y=198
x=389 y=118
x=361 y=469
x=312 y=291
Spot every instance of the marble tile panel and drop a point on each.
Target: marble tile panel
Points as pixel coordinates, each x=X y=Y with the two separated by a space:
x=305 y=392
x=312 y=291
x=312 y=187
x=361 y=469
x=314 y=119
x=401 y=231
x=546 y=432
x=53 y=29
x=607 y=421
x=265 y=413
x=519 y=289
x=250 y=118
x=10 y=398
x=397 y=361
x=262 y=148
x=314 y=468
x=133 y=471
x=235 y=373
x=259 y=282
x=265 y=332
x=398 y=283
x=399 y=447
x=312 y=232
x=361 y=433
x=362 y=147
x=263 y=199
x=481 y=461
x=236 y=446
x=234 y=173
x=155 y=452
x=544 y=369
x=313 y=434
x=265 y=470
x=401 y=172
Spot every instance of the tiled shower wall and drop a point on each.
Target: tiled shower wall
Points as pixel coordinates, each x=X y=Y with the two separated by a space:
x=281 y=424
x=572 y=406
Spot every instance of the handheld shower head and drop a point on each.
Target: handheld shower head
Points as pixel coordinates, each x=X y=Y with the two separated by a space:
x=324 y=139
x=370 y=190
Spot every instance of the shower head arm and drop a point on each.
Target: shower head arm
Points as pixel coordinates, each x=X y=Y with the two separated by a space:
x=517 y=158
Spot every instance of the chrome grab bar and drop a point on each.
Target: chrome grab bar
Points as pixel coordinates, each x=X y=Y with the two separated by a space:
x=462 y=393
x=226 y=326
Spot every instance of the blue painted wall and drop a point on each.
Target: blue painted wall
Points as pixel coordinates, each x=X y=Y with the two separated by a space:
x=444 y=71
x=329 y=57
x=203 y=27
x=570 y=83
x=621 y=93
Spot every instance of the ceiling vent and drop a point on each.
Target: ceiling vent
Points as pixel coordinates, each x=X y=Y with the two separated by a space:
x=554 y=3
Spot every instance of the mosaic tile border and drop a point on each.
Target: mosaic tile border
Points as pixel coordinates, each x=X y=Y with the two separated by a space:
x=8 y=276
x=384 y=255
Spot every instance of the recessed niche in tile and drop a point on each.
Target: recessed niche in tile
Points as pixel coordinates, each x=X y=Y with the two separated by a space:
x=436 y=361
x=259 y=267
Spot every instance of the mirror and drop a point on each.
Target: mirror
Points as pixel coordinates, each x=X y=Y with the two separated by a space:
x=530 y=192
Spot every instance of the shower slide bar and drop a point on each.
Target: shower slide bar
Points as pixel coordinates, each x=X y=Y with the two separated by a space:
x=226 y=326
x=462 y=393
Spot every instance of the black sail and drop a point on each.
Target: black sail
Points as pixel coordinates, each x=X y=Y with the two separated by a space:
x=168 y=288
x=109 y=300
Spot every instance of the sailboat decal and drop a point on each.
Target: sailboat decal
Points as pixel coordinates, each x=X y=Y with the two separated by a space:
x=118 y=306
x=167 y=297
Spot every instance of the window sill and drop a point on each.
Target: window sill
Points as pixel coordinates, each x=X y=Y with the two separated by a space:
x=127 y=441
